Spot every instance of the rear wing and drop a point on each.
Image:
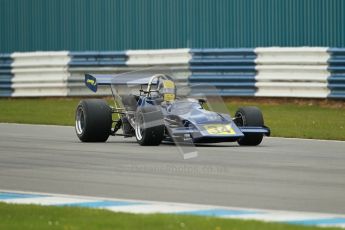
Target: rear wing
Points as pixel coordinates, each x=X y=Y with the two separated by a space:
x=93 y=81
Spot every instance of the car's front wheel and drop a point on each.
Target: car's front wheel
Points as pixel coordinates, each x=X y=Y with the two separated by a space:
x=93 y=120
x=149 y=126
x=249 y=116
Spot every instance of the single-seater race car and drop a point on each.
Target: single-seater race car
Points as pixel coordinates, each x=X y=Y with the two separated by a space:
x=149 y=108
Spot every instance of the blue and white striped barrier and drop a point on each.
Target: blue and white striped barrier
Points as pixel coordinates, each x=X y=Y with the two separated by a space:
x=5 y=75
x=150 y=207
x=39 y=74
x=336 y=67
x=92 y=62
x=231 y=71
x=302 y=72
x=292 y=72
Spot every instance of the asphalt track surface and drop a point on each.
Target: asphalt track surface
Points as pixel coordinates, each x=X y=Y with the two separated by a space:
x=284 y=174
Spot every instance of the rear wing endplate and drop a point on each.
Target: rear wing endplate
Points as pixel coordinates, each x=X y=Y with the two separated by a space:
x=93 y=81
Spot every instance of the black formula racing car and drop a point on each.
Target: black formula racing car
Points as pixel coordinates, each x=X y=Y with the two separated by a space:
x=149 y=107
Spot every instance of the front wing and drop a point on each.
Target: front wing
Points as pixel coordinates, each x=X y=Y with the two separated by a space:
x=213 y=133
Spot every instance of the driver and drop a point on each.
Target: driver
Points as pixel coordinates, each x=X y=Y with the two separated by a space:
x=166 y=91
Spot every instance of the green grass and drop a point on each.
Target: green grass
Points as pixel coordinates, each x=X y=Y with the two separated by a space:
x=69 y=218
x=38 y=111
x=302 y=121
x=290 y=119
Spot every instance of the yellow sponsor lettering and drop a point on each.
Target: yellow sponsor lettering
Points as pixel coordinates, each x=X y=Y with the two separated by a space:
x=219 y=129
x=91 y=81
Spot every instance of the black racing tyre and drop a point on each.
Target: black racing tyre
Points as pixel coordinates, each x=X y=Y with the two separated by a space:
x=149 y=126
x=93 y=120
x=249 y=116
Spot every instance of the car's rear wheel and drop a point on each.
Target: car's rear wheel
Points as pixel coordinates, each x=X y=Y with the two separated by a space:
x=93 y=120
x=249 y=116
x=149 y=127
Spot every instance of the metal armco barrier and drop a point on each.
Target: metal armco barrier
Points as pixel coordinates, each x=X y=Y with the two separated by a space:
x=40 y=74
x=97 y=59
x=292 y=72
x=169 y=57
x=304 y=72
x=336 y=67
x=93 y=62
x=120 y=62
x=170 y=61
x=5 y=75
x=229 y=72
